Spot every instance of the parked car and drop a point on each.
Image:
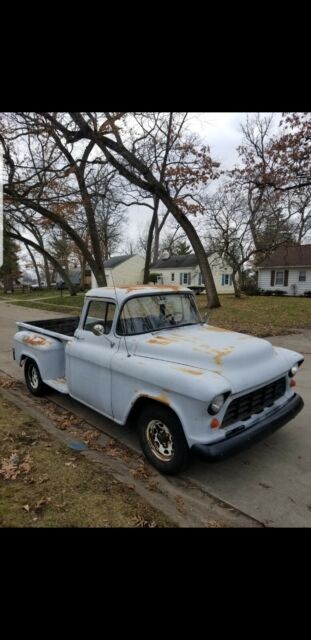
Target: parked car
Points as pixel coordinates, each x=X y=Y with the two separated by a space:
x=142 y=355
x=35 y=285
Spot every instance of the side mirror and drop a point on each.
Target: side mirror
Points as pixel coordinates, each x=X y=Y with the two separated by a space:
x=98 y=330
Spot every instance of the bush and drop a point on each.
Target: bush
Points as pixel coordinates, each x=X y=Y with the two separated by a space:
x=251 y=289
x=267 y=292
x=279 y=292
x=153 y=277
x=307 y=294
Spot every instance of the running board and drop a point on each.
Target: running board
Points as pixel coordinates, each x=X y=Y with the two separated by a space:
x=59 y=384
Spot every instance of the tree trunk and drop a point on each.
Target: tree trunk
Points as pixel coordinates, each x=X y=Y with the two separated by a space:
x=156 y=241
x=33 y=260
x=211 y=293
x=236 y=284
x=149 y=241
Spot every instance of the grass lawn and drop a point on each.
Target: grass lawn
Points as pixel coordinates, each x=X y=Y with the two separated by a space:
x=43 y=483
x=260 y=315
x=49 y=301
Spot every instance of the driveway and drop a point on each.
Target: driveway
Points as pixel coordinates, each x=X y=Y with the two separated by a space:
x=270 y=481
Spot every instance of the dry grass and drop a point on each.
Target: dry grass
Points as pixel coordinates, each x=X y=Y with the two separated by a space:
x=260 y=315
x=45 y=484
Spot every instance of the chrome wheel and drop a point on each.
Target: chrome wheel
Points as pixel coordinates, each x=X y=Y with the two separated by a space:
x=160 y=440
x=33 y=377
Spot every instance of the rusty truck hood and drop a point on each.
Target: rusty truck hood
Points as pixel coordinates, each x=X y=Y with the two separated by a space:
x=243 y=360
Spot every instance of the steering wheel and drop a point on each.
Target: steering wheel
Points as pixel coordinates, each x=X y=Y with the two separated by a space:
x=174 y=318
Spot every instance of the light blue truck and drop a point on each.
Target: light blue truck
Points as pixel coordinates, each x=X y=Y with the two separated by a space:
x=142 y=355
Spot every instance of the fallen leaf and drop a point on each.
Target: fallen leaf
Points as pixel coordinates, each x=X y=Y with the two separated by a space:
x=41 y=504
x=26 y=507
x=43 y=478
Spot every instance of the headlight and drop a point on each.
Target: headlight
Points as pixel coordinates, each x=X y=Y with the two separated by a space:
x=292 y=372
x=216 y=404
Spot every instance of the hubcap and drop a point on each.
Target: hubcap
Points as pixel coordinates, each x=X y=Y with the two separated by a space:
x=160 y=440
x=34 y=378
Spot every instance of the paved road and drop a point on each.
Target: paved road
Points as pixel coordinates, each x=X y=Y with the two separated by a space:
x=270 y=481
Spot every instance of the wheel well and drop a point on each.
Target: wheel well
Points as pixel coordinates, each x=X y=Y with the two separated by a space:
x=138 y=406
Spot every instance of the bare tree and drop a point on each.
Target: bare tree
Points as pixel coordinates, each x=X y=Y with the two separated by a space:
x=117 y=150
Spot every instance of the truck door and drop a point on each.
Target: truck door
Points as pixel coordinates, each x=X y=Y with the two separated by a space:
x=89 y=357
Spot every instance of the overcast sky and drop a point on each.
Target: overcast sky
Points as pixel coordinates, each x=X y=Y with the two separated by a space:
x=221 y=132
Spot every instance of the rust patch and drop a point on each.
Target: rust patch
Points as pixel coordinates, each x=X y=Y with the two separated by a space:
x=132 y=287
x=191 y=372
x=35 y=341
x=161 y=398
x=210 y=327
x=222 y=354
x=217 y=353
x=159 y=340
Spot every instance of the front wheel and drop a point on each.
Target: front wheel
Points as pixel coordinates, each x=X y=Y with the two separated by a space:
x=162 y=439
x=33 y=378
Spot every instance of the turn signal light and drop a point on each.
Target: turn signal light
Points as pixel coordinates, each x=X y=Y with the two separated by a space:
x=215 y=423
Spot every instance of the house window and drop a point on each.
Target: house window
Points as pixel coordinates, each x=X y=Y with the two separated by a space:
x=185 y=278
x=302 y=276
x=226 y=278
x=172 y=277
x=279 y=278
x=200 y=279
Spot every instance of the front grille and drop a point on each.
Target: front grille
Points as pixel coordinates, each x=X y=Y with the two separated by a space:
x=246 y=406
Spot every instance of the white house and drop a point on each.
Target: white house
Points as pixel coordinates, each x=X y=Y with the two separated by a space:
x=125 y=269
x=185 y=270
x=288 y=268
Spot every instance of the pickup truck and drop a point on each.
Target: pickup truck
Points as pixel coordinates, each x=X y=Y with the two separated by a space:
x=142 y=355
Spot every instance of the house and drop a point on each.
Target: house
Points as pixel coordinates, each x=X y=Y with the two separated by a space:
x=75 y=278
x=288 y=269
x=126 y=269
x=185 y=270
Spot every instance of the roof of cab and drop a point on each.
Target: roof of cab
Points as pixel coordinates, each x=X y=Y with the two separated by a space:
x=125 y=291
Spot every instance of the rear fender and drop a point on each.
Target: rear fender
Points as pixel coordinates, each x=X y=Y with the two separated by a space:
x=47 y=352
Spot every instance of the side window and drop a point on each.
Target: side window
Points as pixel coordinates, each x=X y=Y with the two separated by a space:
x=99 y=312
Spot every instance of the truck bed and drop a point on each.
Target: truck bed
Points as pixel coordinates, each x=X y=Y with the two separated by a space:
x=61 y=328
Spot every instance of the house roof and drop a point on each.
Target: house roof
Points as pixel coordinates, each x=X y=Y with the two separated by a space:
x=115 y=261
x=293 y=256
x=176 y=262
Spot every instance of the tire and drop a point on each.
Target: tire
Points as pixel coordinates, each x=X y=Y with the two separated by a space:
x=162 y=439
x=33 y=378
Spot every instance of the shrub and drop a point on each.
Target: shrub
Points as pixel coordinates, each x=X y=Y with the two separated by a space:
x=267 y=292
x=153 y=277
x=307 y=294
x=251 y=289
x=279 y=292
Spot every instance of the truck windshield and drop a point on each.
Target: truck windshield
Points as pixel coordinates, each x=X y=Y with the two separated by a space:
x=155 y=312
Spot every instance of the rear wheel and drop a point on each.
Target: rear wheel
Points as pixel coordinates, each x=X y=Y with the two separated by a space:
x=162 y=439
x=33 y=378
